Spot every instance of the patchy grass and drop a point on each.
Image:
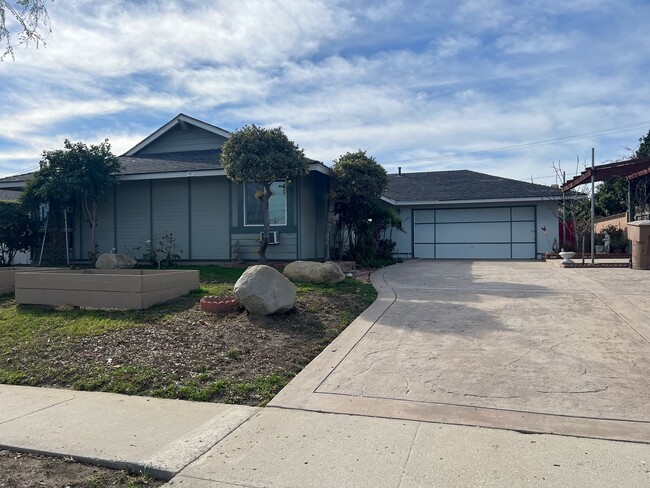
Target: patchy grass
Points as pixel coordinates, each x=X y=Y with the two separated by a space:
x=175 y=350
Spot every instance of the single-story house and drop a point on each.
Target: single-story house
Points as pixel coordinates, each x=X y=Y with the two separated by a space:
x=172 y=182
x=469 y=215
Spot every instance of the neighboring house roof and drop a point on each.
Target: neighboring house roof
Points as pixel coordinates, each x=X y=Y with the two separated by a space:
x=461 y=186
x=9 y=196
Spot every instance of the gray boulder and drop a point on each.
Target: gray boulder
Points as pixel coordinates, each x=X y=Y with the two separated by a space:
x=115 y=261
x=313 y=272
x=263 y=290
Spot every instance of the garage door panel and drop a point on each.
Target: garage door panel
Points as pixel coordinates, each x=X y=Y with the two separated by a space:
x=523 y=251
x=473 y=251
x=423 y=234
x=458 y=215
x=523 y=232
x=476 y=232
x=424 y=216
x=423 y=251
x=523 y=213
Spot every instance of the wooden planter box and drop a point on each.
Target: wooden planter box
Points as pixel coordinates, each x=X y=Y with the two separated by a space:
x=104 y=288
x=8 y=277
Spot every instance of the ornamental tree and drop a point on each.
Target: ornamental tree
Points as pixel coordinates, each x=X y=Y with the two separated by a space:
x=16 y=231
x=257 y=155
x=78 y=174
x=359 y=183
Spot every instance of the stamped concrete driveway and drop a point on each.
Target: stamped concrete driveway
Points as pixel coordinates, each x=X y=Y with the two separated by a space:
x=527 y=346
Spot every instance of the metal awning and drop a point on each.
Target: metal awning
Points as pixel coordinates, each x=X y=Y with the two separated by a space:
x=629 y=169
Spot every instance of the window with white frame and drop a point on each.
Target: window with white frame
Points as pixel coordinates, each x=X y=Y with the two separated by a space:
x=254 y=210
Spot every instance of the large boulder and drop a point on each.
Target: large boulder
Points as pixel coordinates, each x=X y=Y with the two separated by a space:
x=115 y=261
x=263 y=290
x=313 y=272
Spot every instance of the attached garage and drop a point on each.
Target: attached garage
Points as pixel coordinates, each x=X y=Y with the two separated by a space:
x=469 y=215
x=475 y=233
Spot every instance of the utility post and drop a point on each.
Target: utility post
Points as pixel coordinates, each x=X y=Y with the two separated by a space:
x=593 y=206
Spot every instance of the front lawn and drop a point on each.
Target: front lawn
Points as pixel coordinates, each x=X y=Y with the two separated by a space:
x=175 y=350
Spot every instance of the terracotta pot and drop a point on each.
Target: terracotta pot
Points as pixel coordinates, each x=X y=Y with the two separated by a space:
x=214 y=304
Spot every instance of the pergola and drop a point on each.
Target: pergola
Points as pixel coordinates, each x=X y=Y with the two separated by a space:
x=629 y=169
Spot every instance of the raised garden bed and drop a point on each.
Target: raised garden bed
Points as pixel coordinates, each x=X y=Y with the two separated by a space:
x=104 y=288
x=8 y=277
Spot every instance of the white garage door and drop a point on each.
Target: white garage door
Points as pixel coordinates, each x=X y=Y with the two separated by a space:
x=475 y=233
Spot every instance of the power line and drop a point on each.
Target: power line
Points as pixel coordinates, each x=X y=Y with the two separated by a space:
x=526 y=144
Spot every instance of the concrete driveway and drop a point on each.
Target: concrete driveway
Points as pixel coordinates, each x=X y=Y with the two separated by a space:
x=527 y=346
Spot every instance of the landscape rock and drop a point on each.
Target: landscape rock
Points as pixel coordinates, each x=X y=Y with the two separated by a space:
x=262 y=290
x=115 y=261
x=314 y=272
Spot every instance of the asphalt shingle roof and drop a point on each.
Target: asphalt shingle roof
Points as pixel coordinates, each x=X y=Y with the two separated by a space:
x=170 y=162
x=9 y=196
x=461 y=185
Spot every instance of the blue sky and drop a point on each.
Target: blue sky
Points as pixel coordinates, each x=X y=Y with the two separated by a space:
x=425 y=85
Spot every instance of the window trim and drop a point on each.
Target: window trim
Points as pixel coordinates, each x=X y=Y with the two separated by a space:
x=286 y=205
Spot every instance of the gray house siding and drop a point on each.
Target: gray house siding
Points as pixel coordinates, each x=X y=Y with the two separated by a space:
x=190 y=139
x=312 y=210
x=133 y=215
x=170 y=211
x=210 y=236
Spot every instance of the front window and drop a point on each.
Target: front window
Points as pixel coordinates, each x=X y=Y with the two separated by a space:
x=254 y=210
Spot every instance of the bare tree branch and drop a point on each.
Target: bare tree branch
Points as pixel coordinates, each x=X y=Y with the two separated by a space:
x=23 y=20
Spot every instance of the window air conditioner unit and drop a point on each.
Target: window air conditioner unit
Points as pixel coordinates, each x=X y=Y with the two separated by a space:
x=274 y=237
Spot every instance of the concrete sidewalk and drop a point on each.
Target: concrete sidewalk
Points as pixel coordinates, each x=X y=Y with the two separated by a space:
x=211 y=445
x=156 y=435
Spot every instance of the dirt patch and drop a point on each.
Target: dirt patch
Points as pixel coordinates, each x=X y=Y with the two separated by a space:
x=190 y=354
x=19 y=470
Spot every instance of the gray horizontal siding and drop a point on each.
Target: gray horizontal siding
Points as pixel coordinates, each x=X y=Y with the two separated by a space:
x=210 y=216
x=248 y=245
x=178 y=139
x=133 y=216
x=171 y=212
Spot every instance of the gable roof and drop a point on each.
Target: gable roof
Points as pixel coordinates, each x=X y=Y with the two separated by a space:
x=180 y=120
x=461 y=186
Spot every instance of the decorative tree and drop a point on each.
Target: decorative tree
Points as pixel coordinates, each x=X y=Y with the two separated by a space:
x=30 y=16
x=263 y=156
x=76 y=174
x=16 y=231
x=359 y=183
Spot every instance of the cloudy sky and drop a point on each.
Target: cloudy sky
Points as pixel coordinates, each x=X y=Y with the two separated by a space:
x=425 y=85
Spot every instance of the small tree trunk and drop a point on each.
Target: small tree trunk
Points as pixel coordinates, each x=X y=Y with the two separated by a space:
x=583 y=248
x=267 y=223
x=93 y=230
x=328 y=226
x=91 y=216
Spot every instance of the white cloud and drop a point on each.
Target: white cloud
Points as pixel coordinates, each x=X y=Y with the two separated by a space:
x=404 y=80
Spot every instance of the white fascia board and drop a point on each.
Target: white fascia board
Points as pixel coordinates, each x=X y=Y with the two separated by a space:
x=170 y=125
x=470 y=202
x=172 y=174
x=320 y=168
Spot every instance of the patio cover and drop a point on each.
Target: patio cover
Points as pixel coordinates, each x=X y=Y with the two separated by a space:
x=629 y=169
